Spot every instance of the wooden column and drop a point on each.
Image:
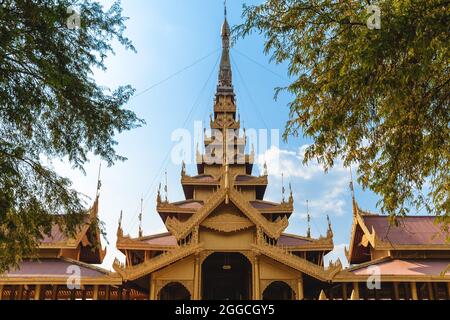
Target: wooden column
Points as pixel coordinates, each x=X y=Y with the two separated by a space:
x=257 y=281
x=20 y=293
x=73 y=294
x=414 y=291
x=128 y=294
x=152 y=289
x=448 y=290
x=107 y=293
x=1 y=291
x=37 y=292
x=95 y=293
x=300 y=293
x=396 y=292
x=55 y=292
x=356 y=290
x=430 y=291
x=196 y=279
x=344 y=291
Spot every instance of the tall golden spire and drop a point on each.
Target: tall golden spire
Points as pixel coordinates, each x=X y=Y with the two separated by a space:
x=225 y=85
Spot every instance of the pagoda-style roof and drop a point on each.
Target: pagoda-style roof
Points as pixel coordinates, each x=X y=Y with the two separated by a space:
x=411 y=233
x=85 y=236
x=162 y=241
x=202 y=161
x=55 y=271
x=189 y=182
x=266 y=207
x=393 y=269
x=298 y=243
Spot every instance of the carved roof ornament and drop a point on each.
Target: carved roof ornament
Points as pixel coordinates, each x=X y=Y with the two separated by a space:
x=183 y=169
x=266 y=172
x=308 y=232
x=283 y=190
x=140 y=219
x=158 y=197
x=291 y=194
x=119 y=227
x=330 y=230
x=166 y=190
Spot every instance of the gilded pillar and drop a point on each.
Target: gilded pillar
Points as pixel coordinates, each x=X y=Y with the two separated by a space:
x=152 y=289
x=396 y=292
x=300 y=293
x=95 y=293
x=1 y=291
x=197 y=279
x=107 y=292
x=257 y=280
x=37 y=292
x=414 y=291
x=20 y=293
x=356 y=291
x=344 y=291
x=430 y=291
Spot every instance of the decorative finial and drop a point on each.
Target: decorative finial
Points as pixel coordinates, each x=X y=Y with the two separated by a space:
x=265 y=169
x=119 y=227
x=183 y=169
x=166 y=188
x=291 y=194
x=225 y=8
x=282 y=187
x=140 y=219
x=330 y=230
x=158 y=198
x=308 y=233
x=354 y=204
x=99 y=182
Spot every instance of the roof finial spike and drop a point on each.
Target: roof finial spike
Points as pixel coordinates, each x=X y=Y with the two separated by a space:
x=225 y=8
x=354 y=204
x=308 y=232
x=158 y=197
x=282 y=187
x=330 y=230
x=266 y=172
x=165 y=187
x=119 y=227
x=99 y=182
x=291 y=194
x=140 y=219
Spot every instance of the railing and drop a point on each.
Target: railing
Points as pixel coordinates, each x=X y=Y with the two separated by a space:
x=285 y=256
x=273 y=229
x=182 y=229
x=149 y=266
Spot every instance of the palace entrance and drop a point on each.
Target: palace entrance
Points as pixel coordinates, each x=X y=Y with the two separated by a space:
x=226 y=276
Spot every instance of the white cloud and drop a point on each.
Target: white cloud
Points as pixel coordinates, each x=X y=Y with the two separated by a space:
x=326 y=192
x=337 y=253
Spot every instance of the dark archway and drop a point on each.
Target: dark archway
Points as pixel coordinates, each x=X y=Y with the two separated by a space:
x=226 y=276
x=278 y=290
x=174 y=291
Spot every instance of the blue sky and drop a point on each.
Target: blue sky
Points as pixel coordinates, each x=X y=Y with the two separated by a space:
x=170 y=36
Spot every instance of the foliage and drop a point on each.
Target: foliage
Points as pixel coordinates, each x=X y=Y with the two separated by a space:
x=51 y=107
x=375 y=98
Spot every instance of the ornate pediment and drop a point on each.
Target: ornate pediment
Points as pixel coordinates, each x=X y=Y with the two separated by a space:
x=227 y=222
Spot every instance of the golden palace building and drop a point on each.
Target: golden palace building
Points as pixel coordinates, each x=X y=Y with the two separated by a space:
x=225 y=242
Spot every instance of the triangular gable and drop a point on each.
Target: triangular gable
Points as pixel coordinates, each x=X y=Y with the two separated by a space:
x=182 y=229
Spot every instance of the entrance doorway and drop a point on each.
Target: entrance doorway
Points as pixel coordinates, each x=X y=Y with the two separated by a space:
x=226 y=276
x=278 y=290
x=174 y=291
